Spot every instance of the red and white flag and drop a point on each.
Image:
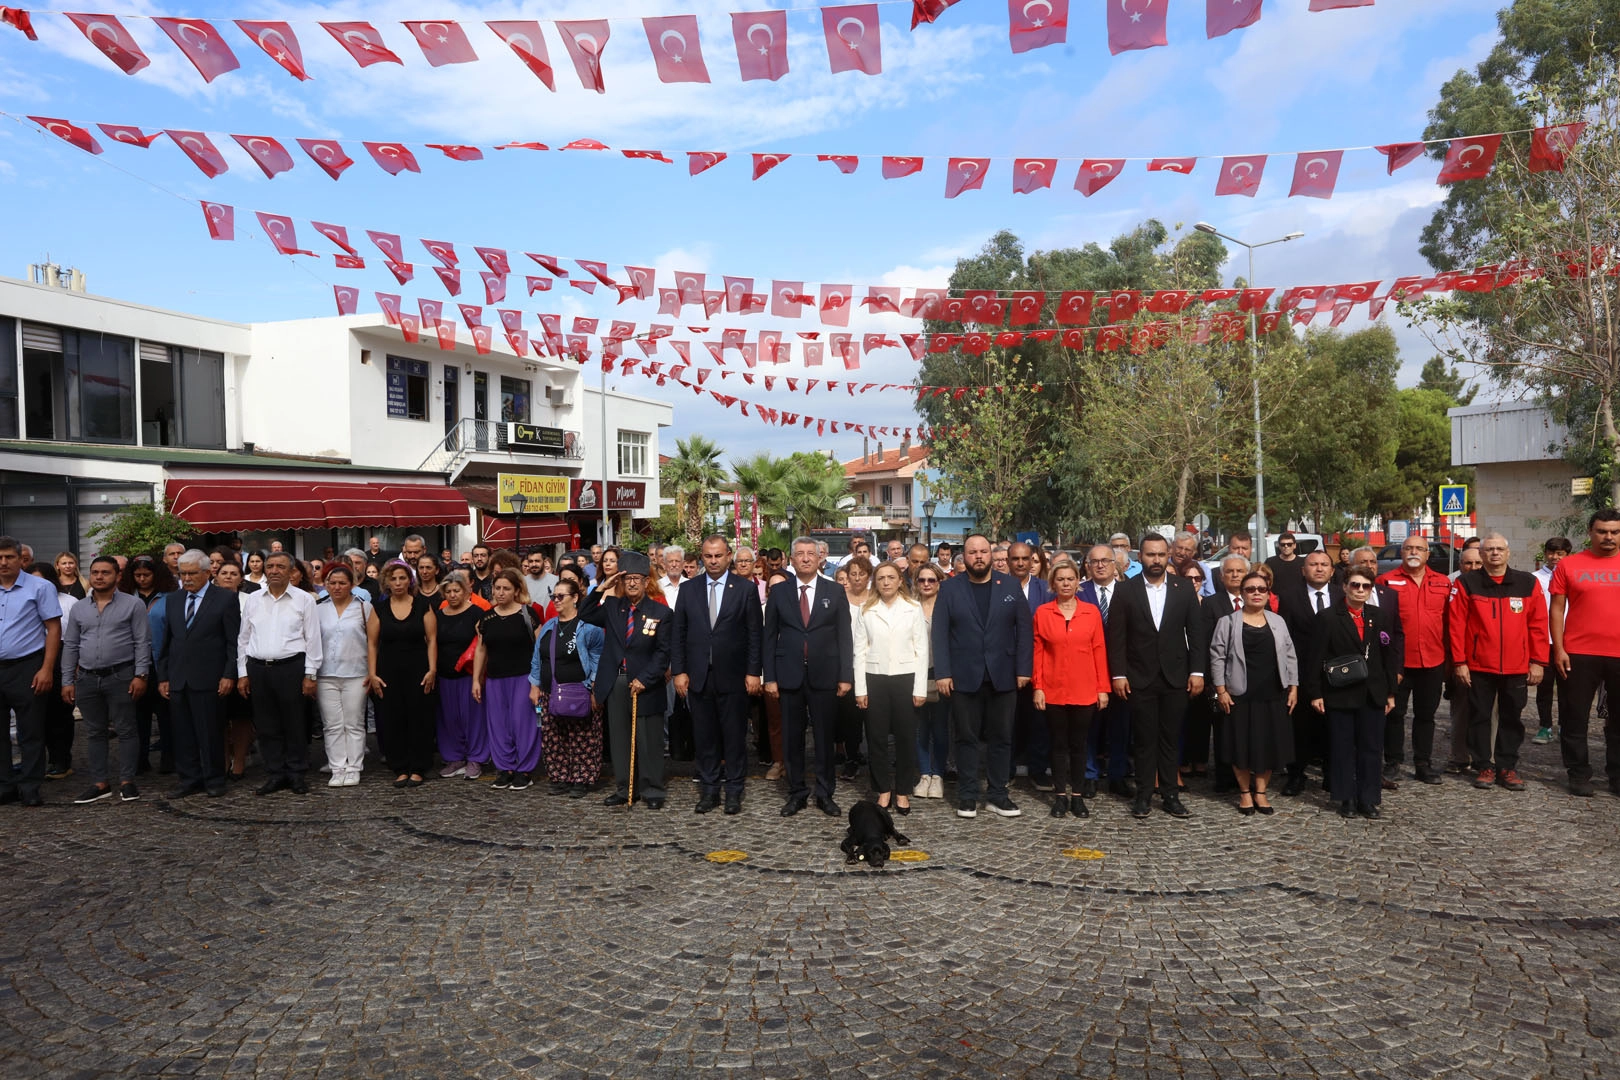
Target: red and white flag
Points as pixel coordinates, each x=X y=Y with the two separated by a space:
x=443 y=251
x=494 y=287
x=1034 y=23
x=471 y=314
x=347 y=297
x=446 y=333
x=737 y=290
x=450 y=278
x=328 y=154
x=1333 y=5
x=847 y=163
x=1316 y=174
x=835 y=305
x=1074 y=308
x=69 y=132
x=1030 y=174
x=1176 y=165
x=525 y=39
x=202 y=45
x=106 y=33
x=495 y=259
x=761 y=38
x=585 y=39
x=764 y=163
x=278 y=42
x=1400 y=154
x=457 y=151
x=676 y=50
x=389 y=244
x=702 y=161
x=1468 y=159
x=393 y=158
x=642 y=278
x=362 y=41
x=647 y=155
x=19 y=18
x=126 y=133
x=432 y=311
x=1096 y=174
x=1136 y=24
x=281 y=232
x=389 y=305
x=964 y=174
x=788 y=299
x=1026 y=308
x=442 y=42
x=203 y=153
x=690 y=287
x=221 y=220
x=337 y=234
x=882 y=299
x=1240 y=175
x=896 y=167
x=854 y=42
x=1123 y=305
x=1550 y=145
x=268 y=154
x=1221 y=17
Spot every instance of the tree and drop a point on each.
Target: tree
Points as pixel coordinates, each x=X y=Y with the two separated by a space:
x=692 y=474
x=1449 y=381
x=139 y=529
x=814 y=485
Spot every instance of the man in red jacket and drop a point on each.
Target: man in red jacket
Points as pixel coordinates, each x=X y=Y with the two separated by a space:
x=1423 y=596
x=1499 y=644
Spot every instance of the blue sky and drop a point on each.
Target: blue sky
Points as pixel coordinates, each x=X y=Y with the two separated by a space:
x=1296 y=81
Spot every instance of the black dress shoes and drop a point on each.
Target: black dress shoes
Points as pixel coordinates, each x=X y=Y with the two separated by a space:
x=1060 y=806
x=653 y=804
x=1125 y=789
x=793 y=806
x=215 y=792
x=1173 y=807
x=1142 y=805
x=615 y=799
x=183 y=790
x=706 y=803
x=1294 y=784
x=1088 y=789
x=733 y=804
x=272 y=786
x=1077 y=807
x=828 y=807
x=1347 y=809
x=298 y=787
x=1369 y=812
x=1426 y=775
x=33 y=798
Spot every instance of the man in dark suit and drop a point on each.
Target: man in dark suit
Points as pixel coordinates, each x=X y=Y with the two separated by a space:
x=1157 y=652
x=1299 y=601
x=808 y=651
x=984 y=653
x=196 y=667
x=635 y=654
x=1114 y=723
x=714 y=656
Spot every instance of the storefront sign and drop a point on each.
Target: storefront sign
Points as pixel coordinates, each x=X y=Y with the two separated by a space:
x=528 y=439
x=866 y=521
x=400 y=369
x=545 y=494
x=621 y=495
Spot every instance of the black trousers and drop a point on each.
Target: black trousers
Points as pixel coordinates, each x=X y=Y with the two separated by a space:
x=649 y=735
x=1311 y=740
x=1354 y=736
x=199 y=736
x=58 y=729
x=1586 y=673
x=889 y=712
x=983 y=716
x=277 y=694
x=1421 y=686
x=720 y=733
x=17 y=694
x=1552 y=684
x=1070 y=728
x=154 y=707
x=849 y=727
x=1507 y=693
x=1032 y=744
x=1202 y=716
x=1158 y=713
x=817 y=710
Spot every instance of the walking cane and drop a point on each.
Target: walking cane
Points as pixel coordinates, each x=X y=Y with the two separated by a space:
x=632 y=774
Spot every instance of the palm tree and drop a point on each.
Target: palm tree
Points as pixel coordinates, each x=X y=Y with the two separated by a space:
x=817 y=489
x=764 y=476
x=691 y=474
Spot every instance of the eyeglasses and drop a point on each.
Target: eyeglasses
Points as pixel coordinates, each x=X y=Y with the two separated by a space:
x=1358 y=585
x=1285 y=543
x=927 y=581
x=1258 y=589
x=1098 y=562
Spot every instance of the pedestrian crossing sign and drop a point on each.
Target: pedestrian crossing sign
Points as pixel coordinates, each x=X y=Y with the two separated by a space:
x=1453 y=499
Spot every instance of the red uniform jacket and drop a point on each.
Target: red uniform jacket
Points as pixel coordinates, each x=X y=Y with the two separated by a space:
x=1498 y=627
x=1423 y=615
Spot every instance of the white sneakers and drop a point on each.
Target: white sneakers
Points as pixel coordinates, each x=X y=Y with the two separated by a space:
x=345 y=778
x=336 y=781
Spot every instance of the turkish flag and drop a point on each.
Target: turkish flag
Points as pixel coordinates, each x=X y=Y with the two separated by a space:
x=267 y=153
x=702 y=161
x=518 y=341
x=1034 y=23
x=1136 y=24
x=642 y=277
x=403 y=272
x=964 y=174
x=1316 y=174
x=203 y=154
x=1009 y=338
x=393 y=158
x=202 y=45
x=347 y=297
x=482 y=337
x=761 y=38
x=924 y=304
x=281 y=233
x=70 y=132
x=457 y=151
x=846 y=163
x=1254 y=299
x=432 y=311
x=1175 y=165
x=125 y=133
x=647 y=155
x=410 y=327
x=690 y=287
x=597 y=270
x=1292 y=298
x=1400 y=154
x=1550 y=145
x=1221 y=17
x=549 y=262
x=1073 y=339
x=764 y=163
x=1123 y=305
x=669 y=302
x=328 y=154
x=981 y=306
x=975 y=344
x=882 y=300
x=494 y=287
x=1215 y=296
x=896 y=167
x=1240 y=175
x=348 y=262
x=1032 y=173
x=676 y=49
x=389 y=304
x=1468 y=159
x=1333 y=5
x=363 y=42
x=854 y=42
x=583 y=325
x=337 y=234
x=1026 y=308
x=19 y=18
x=737 y=289
x=106 y=33
x=495 y=259
x=585 y=39
x=451 y=279
x=787 y=299
x=525 y=39
x=442 y=42
x=844 y=347
x=1074 y=308
x=389 y=244
x=221 y=221
x=1096 y=174
x=835 y=305
x=585 y=144
x=1357 y=293
x=1168 y=301
x=443 y=251
x=446 y=333
x=278 y=42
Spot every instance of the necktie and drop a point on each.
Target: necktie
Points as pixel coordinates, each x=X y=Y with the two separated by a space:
x=1102 y=595
x=1318 y=600
x=804 y=605
x=1237 y=602
x=191 y=608
x=629 y=632
x=714 y=602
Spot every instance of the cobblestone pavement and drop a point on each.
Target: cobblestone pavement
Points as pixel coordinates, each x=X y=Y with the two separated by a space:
x=455 y=930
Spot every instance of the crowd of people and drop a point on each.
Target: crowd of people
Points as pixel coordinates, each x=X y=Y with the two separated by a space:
x=1136 y=671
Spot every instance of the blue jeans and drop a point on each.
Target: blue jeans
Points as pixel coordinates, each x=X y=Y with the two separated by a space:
x=1117 y=719
x=933 y=737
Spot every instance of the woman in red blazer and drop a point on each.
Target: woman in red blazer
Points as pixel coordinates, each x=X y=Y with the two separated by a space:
x=1071 y=682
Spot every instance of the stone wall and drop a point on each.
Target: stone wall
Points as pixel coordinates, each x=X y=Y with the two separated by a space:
x=1508 y=496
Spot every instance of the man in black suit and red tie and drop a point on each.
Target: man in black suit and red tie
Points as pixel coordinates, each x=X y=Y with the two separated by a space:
x=1158 y=646
x=809 y=659
x=714 y=657
x=196 y=667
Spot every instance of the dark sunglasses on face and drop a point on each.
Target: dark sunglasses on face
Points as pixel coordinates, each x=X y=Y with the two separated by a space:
x=1357 y=585
x=1261 y=589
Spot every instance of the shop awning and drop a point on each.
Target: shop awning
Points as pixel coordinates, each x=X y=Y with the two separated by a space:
x=501 y=530
x=240 y=505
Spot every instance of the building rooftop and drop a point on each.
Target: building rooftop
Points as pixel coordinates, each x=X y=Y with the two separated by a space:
x=886 y=461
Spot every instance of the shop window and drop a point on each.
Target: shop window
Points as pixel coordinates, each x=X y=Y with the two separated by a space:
x=80 y=385
x=8 y=378
x=633 y=453
x=514 y=400
x=407 y=388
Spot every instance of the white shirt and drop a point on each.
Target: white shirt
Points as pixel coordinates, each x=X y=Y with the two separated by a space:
x=343 y=639
x=1543 y=574
x=1155 y=596
x=274 y=629
x=1311 y=593
x=1105 y=593
x=669 y=585
x=892 y=639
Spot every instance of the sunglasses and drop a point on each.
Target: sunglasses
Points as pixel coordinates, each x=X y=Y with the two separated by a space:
x=1357 y=585
x=1259 y=589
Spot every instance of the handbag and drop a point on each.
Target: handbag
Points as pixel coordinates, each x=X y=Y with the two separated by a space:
x=1346 y=670
x=567 y=699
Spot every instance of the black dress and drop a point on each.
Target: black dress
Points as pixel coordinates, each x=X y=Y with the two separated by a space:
x=404 y=710
x=1259 y=736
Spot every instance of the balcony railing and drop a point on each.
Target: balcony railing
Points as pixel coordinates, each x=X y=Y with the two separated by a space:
x=890 y=512
x=470 y=437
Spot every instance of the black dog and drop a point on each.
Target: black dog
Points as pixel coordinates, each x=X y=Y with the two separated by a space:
x=870 y=827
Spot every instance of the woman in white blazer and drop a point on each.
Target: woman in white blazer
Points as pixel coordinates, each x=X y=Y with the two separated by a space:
x=891 y=683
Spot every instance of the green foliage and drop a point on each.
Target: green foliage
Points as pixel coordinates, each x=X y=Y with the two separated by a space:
x=139 y=529
x=1449 y=381
x=814 y=485
x=691 y=475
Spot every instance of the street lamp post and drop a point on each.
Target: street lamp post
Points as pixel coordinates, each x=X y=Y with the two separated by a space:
x=1254 y=371
x=928 y=508
x=789 y=510
x=518 y=501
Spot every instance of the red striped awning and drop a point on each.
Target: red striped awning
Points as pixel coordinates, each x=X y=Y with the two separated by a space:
x=426 y=504
x=241 y=505
x=355 y=505
x=501 y=530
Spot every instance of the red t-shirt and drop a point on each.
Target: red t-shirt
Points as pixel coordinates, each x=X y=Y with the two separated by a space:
x=1592 y=620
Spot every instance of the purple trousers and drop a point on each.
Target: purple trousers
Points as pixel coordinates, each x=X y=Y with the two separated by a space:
x=463 y=732
x=514 y=730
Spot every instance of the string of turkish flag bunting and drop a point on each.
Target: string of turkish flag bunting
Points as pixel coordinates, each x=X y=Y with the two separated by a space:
x=852 y=33
x=1315 y=173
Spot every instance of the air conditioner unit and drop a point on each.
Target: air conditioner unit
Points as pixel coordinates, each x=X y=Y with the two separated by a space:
x=559 y=395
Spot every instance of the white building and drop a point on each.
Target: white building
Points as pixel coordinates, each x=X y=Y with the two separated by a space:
x=316 y=432
x=1521 y=480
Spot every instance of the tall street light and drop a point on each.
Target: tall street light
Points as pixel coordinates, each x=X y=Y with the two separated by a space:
x=1254 y=370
